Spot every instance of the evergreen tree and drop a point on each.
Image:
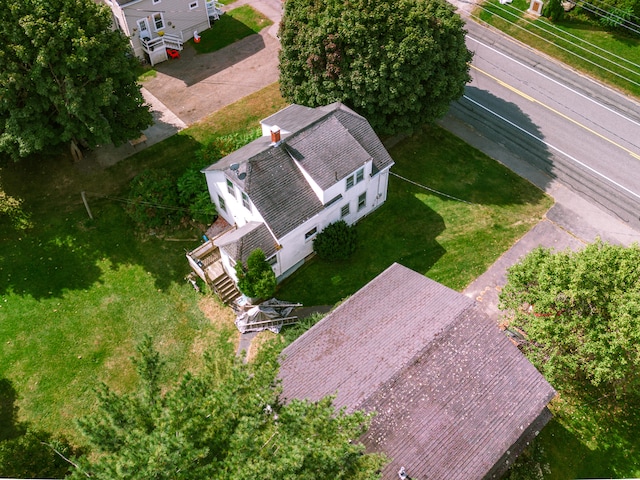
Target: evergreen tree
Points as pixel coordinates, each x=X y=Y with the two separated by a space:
x=226 y=422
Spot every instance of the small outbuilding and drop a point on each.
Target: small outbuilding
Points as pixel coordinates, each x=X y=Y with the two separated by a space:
x=453 y=397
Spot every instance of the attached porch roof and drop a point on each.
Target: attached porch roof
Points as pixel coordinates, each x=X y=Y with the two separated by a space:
x=239 y=244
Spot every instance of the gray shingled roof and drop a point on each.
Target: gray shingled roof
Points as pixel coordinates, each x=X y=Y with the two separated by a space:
x=241 y=242
x=452 y=394
x=327 y=151
x=330 y=141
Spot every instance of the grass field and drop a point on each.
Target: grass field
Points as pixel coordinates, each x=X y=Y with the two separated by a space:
x=77 y=294
x=577 y=40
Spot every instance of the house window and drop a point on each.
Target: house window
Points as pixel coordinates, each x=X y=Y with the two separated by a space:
x=158 y=21
x=230 y=188
x=350 y=182
x=345 y=211
x=311 y=233
x=355 y=178
x=193 y=5
x=362 y=201
x=221 y=202
x=273 y=260
x=245 y=201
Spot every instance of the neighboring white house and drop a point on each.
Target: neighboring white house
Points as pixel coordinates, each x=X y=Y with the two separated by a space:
x=153 y=26
x=311 y=167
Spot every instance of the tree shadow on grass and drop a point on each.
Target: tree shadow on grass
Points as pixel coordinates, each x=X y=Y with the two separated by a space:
x=505 y=124
x=63 y=249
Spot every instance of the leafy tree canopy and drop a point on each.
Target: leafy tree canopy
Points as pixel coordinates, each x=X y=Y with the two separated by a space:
x=65 y=76
x=226 y=422
x=580 y=312
x=399 y=63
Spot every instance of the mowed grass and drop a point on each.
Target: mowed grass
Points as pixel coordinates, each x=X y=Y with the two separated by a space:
x=576 y=40
x=231 y=27
x=448 y=240
x=77 y=295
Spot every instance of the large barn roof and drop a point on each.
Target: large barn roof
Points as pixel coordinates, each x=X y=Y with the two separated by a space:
x=451 y=392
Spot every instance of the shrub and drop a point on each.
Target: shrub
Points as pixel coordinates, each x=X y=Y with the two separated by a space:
x=154 y=199
x=256 y=279
x=553 y=10
x=194 y=195
x=337 y=241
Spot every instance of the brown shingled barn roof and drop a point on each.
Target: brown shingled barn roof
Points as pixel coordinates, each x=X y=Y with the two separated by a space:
x=452 y=395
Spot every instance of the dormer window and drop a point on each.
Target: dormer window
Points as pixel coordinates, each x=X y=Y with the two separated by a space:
x=355 y=178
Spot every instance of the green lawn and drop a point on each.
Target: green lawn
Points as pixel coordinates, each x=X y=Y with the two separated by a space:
x=450 y=241
x=603 y=47
x=232 y=26
x=76 y=294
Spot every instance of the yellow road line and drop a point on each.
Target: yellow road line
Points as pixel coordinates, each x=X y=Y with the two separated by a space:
x=531 y=99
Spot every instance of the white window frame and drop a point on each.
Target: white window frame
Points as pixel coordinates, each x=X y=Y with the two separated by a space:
x=155 y=17
x=345 y=210
x=362 y=201
x=245 y=201
x=231 y=188
x=355 y=178
x=310 y=234
x=193 y=5
x=221 y=203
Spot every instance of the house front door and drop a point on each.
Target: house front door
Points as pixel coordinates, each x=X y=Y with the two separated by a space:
x=143 y=28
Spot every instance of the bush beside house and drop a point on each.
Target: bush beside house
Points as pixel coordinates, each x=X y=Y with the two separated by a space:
x=256 y=279
x=336 y=242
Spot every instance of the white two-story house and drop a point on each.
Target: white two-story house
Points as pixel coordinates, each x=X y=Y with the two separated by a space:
x=311 y=167
x=153 y=26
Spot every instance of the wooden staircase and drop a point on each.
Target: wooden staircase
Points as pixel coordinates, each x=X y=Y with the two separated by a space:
x=226 y=289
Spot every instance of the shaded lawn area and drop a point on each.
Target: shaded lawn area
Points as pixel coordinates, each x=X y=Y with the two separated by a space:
x=447 y=240
x=542 y=35
x=231 y=27
x=77 y=295
x=589 y=437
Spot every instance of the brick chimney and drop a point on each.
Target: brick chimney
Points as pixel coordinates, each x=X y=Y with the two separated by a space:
x=275 y=135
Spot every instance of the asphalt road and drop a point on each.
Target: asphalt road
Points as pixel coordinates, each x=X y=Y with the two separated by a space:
x=583 y=134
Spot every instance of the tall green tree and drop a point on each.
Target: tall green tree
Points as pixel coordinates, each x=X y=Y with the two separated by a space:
x=226 y=422
x=581 y=314
x=399 y=63
x=65 y=77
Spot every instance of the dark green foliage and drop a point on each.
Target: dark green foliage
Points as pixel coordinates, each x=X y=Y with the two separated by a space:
x=194 y=194
x=399 y=63
x=25 y=452
x=338 y=241
x=33 y=455
x=65 y=75
x=617 y=17
x=256 y=279
x=154 y=199
x=226 y=422
x=553 y=10
x=581 y=314
x=222 y=145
